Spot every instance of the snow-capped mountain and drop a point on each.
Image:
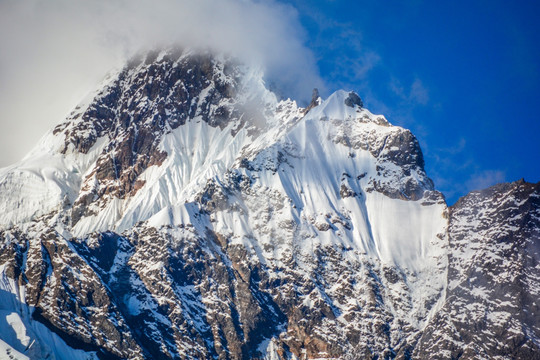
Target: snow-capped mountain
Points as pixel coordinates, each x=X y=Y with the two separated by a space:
x=184 y=211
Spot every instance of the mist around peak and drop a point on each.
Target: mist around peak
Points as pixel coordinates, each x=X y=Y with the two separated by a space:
x=59 y=50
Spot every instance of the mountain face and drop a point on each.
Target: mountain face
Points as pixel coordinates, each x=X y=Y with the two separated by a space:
x=183 y=211
x=493 y=278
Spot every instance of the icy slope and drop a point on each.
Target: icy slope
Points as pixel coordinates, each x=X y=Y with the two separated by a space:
x=96 y=162
x=43 y=181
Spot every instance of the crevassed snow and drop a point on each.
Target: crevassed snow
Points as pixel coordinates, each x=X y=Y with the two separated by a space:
x=43 y=181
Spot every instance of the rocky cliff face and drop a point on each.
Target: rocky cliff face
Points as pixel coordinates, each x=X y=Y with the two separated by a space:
x=184 y=211
x=491 y=309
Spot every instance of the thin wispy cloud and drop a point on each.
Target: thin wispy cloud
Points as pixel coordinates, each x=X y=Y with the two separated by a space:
x=419 y=93
x=413 y=95
x=342 y=54
x=53 y=52
x=484 y=179
x=456 y=149
x=479 y=180
x=358 y=68
x=446 y=169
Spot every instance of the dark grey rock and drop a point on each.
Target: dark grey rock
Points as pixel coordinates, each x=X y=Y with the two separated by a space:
x=353 y=99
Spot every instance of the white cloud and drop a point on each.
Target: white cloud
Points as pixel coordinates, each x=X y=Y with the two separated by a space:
x=484 y=179
x=52 y=52
x=417 y=94
x=358 y=67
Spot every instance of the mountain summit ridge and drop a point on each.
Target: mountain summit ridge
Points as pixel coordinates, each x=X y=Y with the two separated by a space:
x=186 y=212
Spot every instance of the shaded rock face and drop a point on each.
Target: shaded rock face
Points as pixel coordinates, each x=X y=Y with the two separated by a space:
x=404 y=151
x=173 y=294
x=287 y=252
x=67 y=295
x=491 y=307
x=353 y=99
x=400 y=148
x=314 y=100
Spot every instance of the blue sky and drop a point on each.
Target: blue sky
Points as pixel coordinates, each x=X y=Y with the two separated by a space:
x=462 y=75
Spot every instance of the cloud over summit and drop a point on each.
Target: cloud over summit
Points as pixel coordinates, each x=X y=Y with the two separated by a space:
x=53 y=52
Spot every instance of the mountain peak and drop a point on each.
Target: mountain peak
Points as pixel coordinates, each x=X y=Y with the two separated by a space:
x=353 y=99
x=184 y=196
x=315 y=100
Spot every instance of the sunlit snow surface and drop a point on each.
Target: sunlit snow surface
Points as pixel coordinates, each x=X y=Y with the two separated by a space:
x=298 y=167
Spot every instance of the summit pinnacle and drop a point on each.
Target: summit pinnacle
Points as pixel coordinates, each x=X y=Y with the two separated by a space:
x=353 y=99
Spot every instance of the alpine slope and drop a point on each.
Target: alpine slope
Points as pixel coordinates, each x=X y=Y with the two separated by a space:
x=184 y=211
